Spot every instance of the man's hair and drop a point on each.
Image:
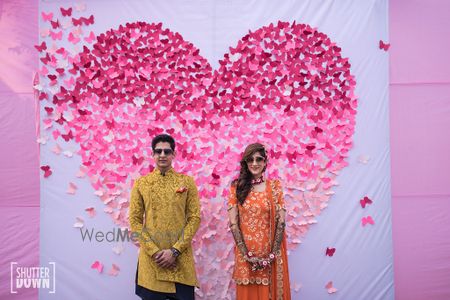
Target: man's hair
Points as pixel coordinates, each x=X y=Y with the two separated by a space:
x=163 y=138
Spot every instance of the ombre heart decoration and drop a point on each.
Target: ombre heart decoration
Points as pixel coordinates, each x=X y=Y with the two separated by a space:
x=285 y=85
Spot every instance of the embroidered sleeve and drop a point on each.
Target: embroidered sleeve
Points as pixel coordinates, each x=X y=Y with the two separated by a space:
x=279 y=198
x=280 y=217
x=136 y=219
x=233 y=216
x=232 y=200
x=192 y=217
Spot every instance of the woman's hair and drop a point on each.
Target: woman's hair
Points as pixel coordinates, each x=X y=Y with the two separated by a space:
x=244 y=182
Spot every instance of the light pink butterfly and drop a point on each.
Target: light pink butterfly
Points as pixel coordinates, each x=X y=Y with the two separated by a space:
x=79 y=223
x=330 y=288
x=91 y=211
x=72 y=188
x=114 y=270
x=47 y=17
x=56 y=35
x=57 y=149
x=90 y=38
x=69 y=82
x=73 y=39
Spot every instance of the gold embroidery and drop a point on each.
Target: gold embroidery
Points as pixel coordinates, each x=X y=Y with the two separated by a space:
x=255 y=217
x=276 y=188
x=253 y=280
x=254 y=222
x=163 y=218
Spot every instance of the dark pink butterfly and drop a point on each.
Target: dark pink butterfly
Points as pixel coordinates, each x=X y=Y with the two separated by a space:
x=66 y=12
x=49 y=110
x=384 y=46
x=330 y=251
x=365 y=201
x=77 y=22
x=47 y=171
x=41 y=47
x=55 y=24
x=137 y=161
x=88 y=21
x=68 y=136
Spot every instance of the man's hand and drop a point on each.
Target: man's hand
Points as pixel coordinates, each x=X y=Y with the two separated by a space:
x=165 y=259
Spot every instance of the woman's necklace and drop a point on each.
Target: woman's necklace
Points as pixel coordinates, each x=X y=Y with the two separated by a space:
x=257 y=180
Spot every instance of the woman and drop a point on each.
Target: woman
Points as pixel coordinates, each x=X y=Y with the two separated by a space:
x=257 y=215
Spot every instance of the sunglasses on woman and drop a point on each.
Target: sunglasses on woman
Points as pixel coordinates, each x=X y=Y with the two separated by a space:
x=257 y=159
x=166 y=151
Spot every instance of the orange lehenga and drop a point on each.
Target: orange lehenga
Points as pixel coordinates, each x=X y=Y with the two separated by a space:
x=257 y=224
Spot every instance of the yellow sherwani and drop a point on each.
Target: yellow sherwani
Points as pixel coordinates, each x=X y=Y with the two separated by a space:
x=170 y=206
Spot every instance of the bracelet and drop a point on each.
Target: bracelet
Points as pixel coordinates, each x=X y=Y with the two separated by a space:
x=175 y=252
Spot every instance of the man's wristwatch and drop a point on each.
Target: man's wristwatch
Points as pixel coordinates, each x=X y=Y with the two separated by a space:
x=175 y=252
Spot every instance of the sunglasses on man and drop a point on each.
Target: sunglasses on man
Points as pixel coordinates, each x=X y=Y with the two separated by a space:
x=160 y=151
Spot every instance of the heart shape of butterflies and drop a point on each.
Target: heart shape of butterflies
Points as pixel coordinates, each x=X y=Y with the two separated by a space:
x=285 y=85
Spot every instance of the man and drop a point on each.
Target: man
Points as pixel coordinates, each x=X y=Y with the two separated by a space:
x=165 y=215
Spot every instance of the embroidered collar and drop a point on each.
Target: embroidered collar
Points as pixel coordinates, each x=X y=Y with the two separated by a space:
x=168 y=172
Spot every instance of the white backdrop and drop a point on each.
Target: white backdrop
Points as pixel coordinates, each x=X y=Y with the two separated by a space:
x=362 y=266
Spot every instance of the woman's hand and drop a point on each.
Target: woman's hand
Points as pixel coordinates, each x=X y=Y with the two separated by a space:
x=258 y=263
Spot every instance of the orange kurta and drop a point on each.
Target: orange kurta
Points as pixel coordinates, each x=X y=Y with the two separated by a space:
x=257 y=224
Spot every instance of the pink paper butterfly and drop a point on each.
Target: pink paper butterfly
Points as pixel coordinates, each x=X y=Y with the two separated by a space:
x=384 y=46
x=97 y=266
x=367 y=220
x=47 y=17
x=365 y=201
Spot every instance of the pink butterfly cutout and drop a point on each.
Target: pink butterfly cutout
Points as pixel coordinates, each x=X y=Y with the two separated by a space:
x=66 y=12
x=365 y=201
x=384 y=46
x=330 y=251
x=73 y=39
x=47 y=170
x=118 y=249
x=90 y=38
x=367 y=220
x=55 y=24
x=47 y=17
x=330 y=288
x=81 y=172
x=44 y=32
x=47 y=123
x=69 y=82
x=57 y=149
x=91 y=211
x=72 y=188
x=41 y=47
x=56 y=35
x=114 y=270
x=79 y=223
x=97 y=266
x=80 y=6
